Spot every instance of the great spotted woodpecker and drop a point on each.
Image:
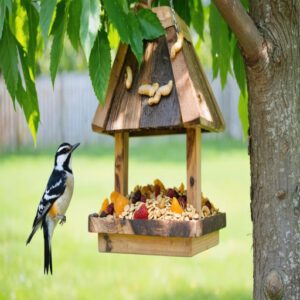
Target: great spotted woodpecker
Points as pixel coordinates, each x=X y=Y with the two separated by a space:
x=55 y=200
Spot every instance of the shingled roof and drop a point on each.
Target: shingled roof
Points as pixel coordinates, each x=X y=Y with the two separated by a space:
x=190 y=103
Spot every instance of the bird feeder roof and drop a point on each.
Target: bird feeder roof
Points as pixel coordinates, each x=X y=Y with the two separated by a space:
x=190 y=103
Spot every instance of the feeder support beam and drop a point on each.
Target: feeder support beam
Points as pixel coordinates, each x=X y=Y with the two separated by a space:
x=121 y=162
x=193 y=156
x=244 y=28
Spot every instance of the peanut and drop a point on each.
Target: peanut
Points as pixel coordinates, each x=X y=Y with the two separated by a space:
x=128 y=78
x=148 y=89
x=177 y=46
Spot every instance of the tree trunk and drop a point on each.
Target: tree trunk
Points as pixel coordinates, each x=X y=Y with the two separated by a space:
x=274 y=115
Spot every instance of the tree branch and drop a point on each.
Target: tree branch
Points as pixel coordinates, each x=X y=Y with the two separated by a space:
x=249 y=38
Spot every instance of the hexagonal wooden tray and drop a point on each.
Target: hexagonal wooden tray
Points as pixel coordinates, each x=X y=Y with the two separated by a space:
x=157 y=237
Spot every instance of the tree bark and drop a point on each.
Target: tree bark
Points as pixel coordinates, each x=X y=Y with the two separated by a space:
x=274 y=117
x=274 y=143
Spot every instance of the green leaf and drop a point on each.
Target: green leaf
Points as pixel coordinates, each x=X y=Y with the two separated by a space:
x=89 y=24
x=182 y=9
x=8 y=4
x=118 y=17
x=58 y=32
x=46 y=16
x=135 y=37
x=9 y=60
x=243 y=112
x=239 y=70
x=100 y=65
x=221 y=47
x=30 y=101
x=150 y=25
x=2 y=16
x=197 y=16
x=33 y=22
x=73 y=28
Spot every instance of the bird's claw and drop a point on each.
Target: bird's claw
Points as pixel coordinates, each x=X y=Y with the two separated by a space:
x=62 y=219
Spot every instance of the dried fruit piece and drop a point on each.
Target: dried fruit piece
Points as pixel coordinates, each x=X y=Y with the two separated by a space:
x=205 y=211
x=175 y=206
x=172 y=193
x=182 y=201
x=120 y=204
x=156 y=190
x=114 y=196
x=160 y=184
x=136 y=196
x=143 y=198
x=103 y=214
x=110 y=209
x=141 y=213
x=181 y=188
x=104 y=206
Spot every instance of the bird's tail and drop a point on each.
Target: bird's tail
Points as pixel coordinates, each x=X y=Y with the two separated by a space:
x=47 y=248
x=34 y=229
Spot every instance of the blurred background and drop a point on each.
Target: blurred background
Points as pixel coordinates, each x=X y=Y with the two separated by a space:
x=80 y=272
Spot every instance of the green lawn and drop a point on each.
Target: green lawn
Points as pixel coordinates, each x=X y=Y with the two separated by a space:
x=80 y=272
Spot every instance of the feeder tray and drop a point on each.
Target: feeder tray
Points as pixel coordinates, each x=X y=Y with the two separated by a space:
x=190 y=109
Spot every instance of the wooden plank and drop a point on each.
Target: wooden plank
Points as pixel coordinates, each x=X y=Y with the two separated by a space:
x=126 y=104
x=189 y=108
x=167 y=112
x=121 y=162
x=101 y=115
x=205 y=242
x=193 y=156
x=209 y=109
x=167 y=228
x=152 y=245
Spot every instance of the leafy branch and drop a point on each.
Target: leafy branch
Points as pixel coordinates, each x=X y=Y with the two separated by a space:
x=27 y=25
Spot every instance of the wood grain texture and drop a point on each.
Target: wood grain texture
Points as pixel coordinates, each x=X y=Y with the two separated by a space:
x=210 y=113
x=193 y=157
x=186 y=94
x=126 y=104
x=167 y=112
x=190 y=104
x=121 y=162
x=102 y=112
x=166 y=228
x=153 y=245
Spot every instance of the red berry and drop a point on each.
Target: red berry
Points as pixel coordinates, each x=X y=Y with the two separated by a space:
x=141 y=213
x=110 y=209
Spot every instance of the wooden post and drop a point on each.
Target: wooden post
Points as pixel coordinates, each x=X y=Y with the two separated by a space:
x=193 y=153
x=121 y=162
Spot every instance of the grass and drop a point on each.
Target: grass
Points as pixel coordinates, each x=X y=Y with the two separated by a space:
x=80 y=272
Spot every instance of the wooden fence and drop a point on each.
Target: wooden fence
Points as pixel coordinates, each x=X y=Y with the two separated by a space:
x=67 y=111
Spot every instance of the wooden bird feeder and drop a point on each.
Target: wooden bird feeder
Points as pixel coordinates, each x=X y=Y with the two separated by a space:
x=189 y=109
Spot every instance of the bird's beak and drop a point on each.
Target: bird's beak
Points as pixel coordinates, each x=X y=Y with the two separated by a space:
x=75 y=146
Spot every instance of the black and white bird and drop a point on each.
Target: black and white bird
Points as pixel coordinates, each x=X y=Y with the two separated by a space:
x=55 y=200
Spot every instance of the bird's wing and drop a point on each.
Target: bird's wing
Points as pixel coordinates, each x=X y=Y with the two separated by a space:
x=55 y=188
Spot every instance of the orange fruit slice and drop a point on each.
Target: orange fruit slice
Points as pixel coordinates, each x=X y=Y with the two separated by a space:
x=176 y=207
x=105 y=203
